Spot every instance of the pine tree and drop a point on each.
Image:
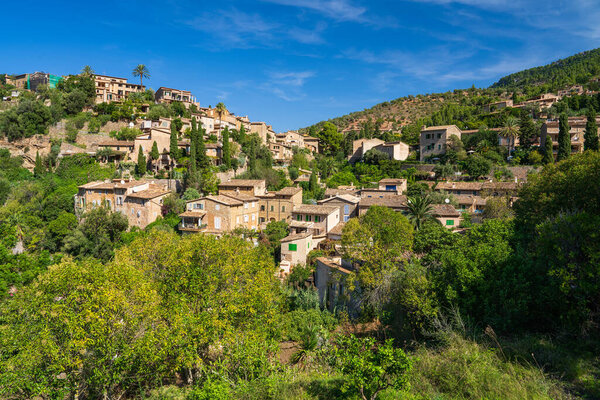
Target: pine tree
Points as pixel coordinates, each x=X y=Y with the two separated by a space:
x=226 y=148
x=38 y=170
x=527 y=130
x=564 y=138
x=140 y=168
x=591 y=131
x=173 y=149
x=548 y=156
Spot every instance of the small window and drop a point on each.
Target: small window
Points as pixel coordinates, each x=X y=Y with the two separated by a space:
x=299 y=217
x=317 y=218
x=245 y=205
x=262 y=208
x=217 y=207
x=272 y=208
x=346 y=209
x=292 y=247
x=307 y=219
x=282 y=208
x=253 y=217
x=245 y=218
x=346 y=218
x=449 y=222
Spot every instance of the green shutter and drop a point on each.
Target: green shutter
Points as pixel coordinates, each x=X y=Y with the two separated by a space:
x=317 y=218
x=292 y=247
x=449 y=222
x=299 y=217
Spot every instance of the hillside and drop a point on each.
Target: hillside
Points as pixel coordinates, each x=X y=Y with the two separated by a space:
x=410 y=111
x=577 y=69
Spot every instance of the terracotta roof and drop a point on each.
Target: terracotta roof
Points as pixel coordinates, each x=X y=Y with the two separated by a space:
x=500 y=185
x=288 y=191
x=392 y=180
x=391 y=201
x=444 y=210
x=297 y=236
x=469 y=199
x=312 y=209
x=437 y=128
x=149 y=194
x=241 y=196
x=334 y=192
x=117 y=143
x=224 y=200
x=345 y=197
x=337 y=230
x=331 y=263
x=212 y=145
x=459 y=186
x=243 y=182
x=301 y=224
x=111 y=185
x=197 y=214
x=310 y=138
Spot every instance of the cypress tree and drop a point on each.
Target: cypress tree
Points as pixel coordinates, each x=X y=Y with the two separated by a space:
x=527 y=130
x=591 y=131
x=548 y=156
x=173 y=149
x=226 y=148
x=564 y=138
x=312 y=182
x=201 y=159
x=141 y=163
x=242 y=135
x=38 y=170
x=154 y=154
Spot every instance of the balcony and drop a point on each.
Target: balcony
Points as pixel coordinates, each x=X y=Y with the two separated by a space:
x=191 y=227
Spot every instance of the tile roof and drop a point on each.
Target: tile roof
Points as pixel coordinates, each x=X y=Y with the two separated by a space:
x=312 y=209
x=346 y=197
x=329 y=192
x=242 y=182
x=117 y=143
x=198 y=214
x=459 y=186
x=288 y=191
x=501 y=185
x=149 y=193
x=444 y=210
x=337 y=230
x=437 y=128
x=393 y=180
x=241 y=196
x=296 y=236
x=469 y=199
x=391 y=201
x=224 y=200
x=331 y=263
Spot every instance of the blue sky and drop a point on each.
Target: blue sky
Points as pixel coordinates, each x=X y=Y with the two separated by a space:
x=292 y=63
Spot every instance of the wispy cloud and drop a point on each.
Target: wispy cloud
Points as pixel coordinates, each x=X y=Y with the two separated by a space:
x=287 y=85
x=341 y=10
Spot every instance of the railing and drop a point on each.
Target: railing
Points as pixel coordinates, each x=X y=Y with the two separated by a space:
x=191 y=227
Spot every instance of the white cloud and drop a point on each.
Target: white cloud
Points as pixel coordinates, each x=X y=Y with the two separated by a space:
x=287 y=85
x=341 y=10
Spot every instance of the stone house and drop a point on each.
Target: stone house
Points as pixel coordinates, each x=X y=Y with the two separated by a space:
x=311 y=143
x=168 y=95
x=278 y=206
x=435 y=139
x=447 y=215
x=347 y=204
x=294 y=250
x=111 y=88
x=396 y=203
x=395 y=150
x=317 y=219
x=251 y=187
x=550 y=130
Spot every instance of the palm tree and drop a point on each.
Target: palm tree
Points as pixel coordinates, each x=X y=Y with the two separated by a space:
x=420 y=210
x=220 y=107
x=142 y=71
x=87 y=70
x=511 y=131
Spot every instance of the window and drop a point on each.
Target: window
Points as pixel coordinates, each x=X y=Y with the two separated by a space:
x=217 y=207
x=217 y=222
x=307 y=219
x=439 y=146
x=253 y=217
x=317 y=218
x=346 y=218
x=138 y=214
x=245 y=218
x=262 y=208
x=282 y=208
x=262 y=220
x=292 y=247
x=299 y=217
x=237 y=220
x=346 y=209
x=439 y=135
x=245 y=205
x=272 y=208
x=449 y=222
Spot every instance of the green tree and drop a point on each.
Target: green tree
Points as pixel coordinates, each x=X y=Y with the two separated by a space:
x=564 y=138
x=477 y=166
x=154 y=154
x=173 y=145
x=420 y=210
x=527 y=130
x=142 y=72
x=330 y=138
x=226 y=148
x=38 y=170
x=87 y=70
x=548 y=151
x=220 y=108
x=510 y=129
x=369 y=368
x=140 y=167
x=201 y=157
x=591 y=131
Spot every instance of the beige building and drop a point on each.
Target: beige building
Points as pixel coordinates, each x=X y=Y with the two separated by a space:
x=278 y=206
x=396 y=203
x=110 y=88
x=347 y=204
x=311 y=143
x=219 y=214
x=447 y=215
x=290 y=138
x=395 y=150
x=169 y=95
x=294 y=250
x=435 y=139
x=576 y=130
x=264 y=131
x=251 y=187
x=316 y=219
x=281 y=152
x=396 y=185
x=140 y=201
x=121 y=150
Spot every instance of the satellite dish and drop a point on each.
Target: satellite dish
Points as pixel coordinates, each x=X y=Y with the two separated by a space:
x=447 y=201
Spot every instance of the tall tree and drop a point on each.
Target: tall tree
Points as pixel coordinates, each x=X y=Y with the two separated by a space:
x=226 y=148
x=142 y=71
x=242 y=135
x=201 y=158
x=38 y=170
x=330 y=138
x=173 y=148
x=527 y=130
x=591 y=131
x=420 y=210
x=154 y=153
x=510 y=130
x=220 y=107
x=87 y=70
x=548 y=151
x=564 y=138
x=141 y=163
